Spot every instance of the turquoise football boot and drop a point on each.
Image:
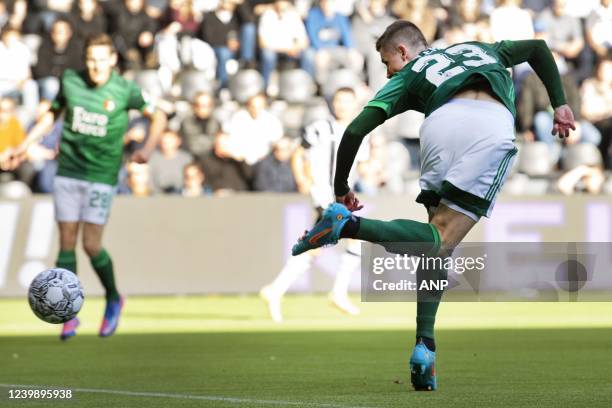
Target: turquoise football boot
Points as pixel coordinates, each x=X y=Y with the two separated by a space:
x=423 y=368
x=325 y=232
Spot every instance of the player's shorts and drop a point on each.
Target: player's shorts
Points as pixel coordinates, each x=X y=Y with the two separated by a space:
x=80 y=200
x=467 y=150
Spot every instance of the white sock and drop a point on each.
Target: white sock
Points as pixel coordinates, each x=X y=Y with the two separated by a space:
x=348 y=264
x=293 y=269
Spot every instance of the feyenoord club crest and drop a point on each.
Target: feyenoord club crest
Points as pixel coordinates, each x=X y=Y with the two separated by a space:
x=109 y=105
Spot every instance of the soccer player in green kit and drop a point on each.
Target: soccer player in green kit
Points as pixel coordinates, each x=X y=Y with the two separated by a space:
x=96 y=104
x=467 y=149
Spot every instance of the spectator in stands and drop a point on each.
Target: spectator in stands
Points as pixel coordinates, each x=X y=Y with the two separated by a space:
x=220 y=29
x=253 y=130
x=177 y=44
x=474 y=24
x=15 y=77
x=41 y=20
x=534 y=110
x=225 y=171
x=198 y=130
x=453 y=33
x=510 y=22
x=180 y=19
x=371 y=177
x=597 y=105
x=248 y=33
x=599 y=29
x=562 y=32
x=15 y=13
x=587 y=179
x=43 y=155
x=419 y=13
x=88 y=19
x=59 y=51
x=4 y=14
x=139 y=179
x=193 y=181
x=282 y=34
x=133 y=35
x=536 y=6
x=167 y=164
x=274 y=172
x=369 y=24
x=331 y=40
x=11 y=135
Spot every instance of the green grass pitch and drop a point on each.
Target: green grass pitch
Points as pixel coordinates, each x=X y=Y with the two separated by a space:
x=224 y=352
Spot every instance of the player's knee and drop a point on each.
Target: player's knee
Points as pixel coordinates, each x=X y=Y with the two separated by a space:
x=448 y=243
x=68 y=240
x=91 y=246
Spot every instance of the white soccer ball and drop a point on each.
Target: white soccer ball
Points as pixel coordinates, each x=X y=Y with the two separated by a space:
x=56 y=295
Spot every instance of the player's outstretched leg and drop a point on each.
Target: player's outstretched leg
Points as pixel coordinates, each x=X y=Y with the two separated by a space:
x=273 y=293
x=325 y=232
x=423 y=368
x=66 y=259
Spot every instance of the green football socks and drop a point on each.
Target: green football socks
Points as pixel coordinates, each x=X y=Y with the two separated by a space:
x=67 y=260
x=103 y=265
x=396 y=236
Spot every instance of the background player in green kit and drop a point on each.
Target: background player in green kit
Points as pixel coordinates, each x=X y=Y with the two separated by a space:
x=96 y=104
x=467 y=149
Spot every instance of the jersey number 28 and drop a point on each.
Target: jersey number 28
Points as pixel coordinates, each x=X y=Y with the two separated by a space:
x=437 y=73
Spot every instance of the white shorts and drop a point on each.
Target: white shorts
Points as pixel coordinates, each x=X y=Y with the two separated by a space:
x=80 y=200
x=467 y=150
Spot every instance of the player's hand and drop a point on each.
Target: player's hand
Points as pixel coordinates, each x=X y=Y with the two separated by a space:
x=563 y=121
x=140 y=156
x=350 y=201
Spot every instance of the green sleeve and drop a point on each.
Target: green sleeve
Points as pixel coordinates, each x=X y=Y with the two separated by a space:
x=539 y=57
x=389 y=96
x=136 y=99
x=369 y=119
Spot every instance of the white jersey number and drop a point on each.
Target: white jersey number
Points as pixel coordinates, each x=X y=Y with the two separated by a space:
x=437 y=73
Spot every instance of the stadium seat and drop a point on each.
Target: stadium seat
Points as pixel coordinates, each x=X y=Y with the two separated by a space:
x=534 y=159
x=244 y=84
x=581 y=154
x=339 y=79
x=292 y=118
x=149 y=81
x=296 y=86
x=408 y=124
x=14 y=190
x=192 y=82
x=316 y=109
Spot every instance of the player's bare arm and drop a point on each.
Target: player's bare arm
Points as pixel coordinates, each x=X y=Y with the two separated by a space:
x=159 y=121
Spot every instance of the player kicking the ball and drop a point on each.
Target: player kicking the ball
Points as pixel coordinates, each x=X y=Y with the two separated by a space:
x=467 y=149
x=96 y=104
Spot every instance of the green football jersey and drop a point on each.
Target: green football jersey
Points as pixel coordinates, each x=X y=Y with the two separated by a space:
x=95 y=121
x=435 y=75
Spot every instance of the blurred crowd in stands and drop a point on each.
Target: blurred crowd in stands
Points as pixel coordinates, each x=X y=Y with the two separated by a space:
x=242 y=82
